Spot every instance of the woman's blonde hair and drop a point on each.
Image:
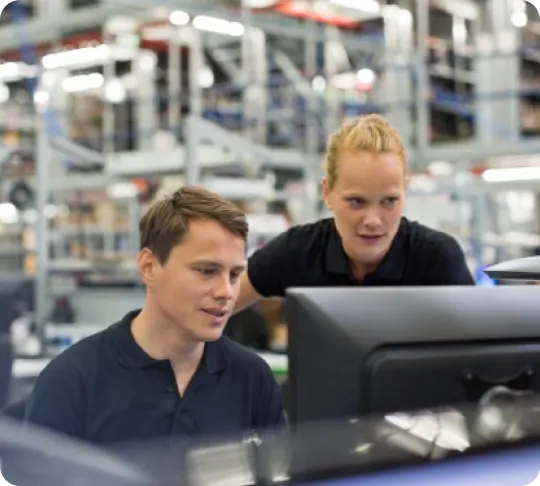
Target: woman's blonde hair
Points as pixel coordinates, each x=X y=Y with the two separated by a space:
x=370 y=133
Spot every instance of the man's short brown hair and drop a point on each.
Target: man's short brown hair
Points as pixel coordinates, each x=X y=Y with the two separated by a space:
x=166 y=223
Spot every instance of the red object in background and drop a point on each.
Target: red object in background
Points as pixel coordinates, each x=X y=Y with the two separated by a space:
x=303 y=10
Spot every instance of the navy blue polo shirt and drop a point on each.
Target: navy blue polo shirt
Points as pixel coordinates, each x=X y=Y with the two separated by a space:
x=106 y=390
x=312 y=255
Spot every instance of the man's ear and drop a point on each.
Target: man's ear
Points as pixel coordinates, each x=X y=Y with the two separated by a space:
x=147 y=266
x=326 y=192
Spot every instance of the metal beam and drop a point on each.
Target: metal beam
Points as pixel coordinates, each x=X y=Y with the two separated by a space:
x=75 y=151
x=474 y=151
x=274 y=24
x=227 y=62
x=45 y=30
x=243 y=148
x=82 y=182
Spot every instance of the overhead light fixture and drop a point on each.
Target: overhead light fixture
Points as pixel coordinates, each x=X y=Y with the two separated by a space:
x=179 y=18
x=519 y=19
x=83 y=82
x=206 y=77
x=115 y=91
x=368 y=6
x=16 y=71
x=259 y=3
x=318 y=84
x=88 y=56
x=511 y=174
x=218 y=26
x=365 y=76
x=41 y=98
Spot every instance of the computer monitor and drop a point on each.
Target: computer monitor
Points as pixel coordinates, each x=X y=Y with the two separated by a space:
x=354 y=351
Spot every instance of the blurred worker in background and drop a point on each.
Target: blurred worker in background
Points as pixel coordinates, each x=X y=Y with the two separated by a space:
x=166 y=370
x=368 y=241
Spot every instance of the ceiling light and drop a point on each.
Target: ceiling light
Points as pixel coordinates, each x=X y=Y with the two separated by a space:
x=511 y=174
x=368 y=6
x=179 y=18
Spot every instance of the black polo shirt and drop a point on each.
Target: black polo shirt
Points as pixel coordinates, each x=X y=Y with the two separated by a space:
x=105 y=389
x=312 y=255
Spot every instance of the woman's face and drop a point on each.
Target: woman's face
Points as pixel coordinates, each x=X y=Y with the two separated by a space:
x=367 y=200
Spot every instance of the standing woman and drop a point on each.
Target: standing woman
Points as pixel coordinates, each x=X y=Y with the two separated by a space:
x=368 y=242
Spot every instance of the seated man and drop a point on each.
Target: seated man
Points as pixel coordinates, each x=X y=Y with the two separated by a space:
x=166 y=370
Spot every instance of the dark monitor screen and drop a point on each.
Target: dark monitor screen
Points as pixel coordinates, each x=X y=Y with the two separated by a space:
x=379 y=350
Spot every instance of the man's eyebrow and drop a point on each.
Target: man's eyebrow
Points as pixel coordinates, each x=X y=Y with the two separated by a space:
x=208 y=263
x=215 y=264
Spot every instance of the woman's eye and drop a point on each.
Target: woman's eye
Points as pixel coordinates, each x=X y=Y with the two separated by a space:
x=356 y=202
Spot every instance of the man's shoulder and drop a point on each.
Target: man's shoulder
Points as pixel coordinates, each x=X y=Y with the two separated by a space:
x=82 y=355
x=243 y=359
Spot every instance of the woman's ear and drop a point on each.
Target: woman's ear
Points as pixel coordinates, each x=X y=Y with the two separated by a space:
x=326 y=192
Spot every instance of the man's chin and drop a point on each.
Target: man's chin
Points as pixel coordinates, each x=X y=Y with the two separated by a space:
x=211 y=335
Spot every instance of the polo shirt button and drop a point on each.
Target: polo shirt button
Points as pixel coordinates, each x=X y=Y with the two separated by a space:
x=170 y=389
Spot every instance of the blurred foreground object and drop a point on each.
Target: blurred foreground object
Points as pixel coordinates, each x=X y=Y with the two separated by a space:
x=527 y=268
x=31 y=456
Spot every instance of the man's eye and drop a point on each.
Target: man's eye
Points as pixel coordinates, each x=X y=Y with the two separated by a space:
x=390 y=200
x=206 y=272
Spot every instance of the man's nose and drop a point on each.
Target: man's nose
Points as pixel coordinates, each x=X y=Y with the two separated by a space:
x=224 y=289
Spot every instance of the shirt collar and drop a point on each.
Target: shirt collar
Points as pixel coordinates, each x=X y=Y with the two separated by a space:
x=132 y=356
x=391 y=268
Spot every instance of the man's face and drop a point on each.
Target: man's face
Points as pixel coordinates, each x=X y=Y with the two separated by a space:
x=367 y=201
x=196 y=288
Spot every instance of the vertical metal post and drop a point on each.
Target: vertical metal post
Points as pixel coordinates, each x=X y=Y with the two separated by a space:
x=397 y=77
x=497 y=66
x=312 y=127
x=195 y=66
x=134 y=212
x=422 y=79
x=255 y=79
x=109 y=73
x=146 y=106
x=175 y=80
x=43 y=162
x=249 y=94
x=331 y=68
x=258 y=47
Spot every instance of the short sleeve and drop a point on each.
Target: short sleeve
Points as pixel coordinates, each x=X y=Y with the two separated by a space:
x=58 y=400
x=271 y=405
x=268 y=267
x=450 y=266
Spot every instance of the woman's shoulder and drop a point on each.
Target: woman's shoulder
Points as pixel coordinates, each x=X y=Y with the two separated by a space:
x=424 y=238
x=311 y=235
